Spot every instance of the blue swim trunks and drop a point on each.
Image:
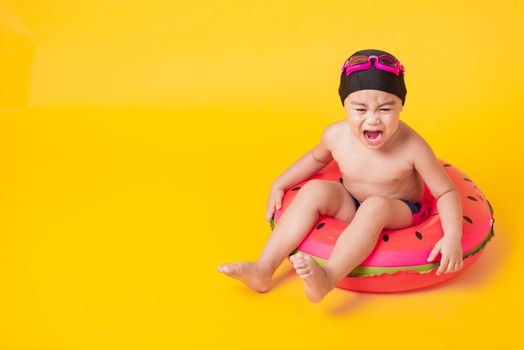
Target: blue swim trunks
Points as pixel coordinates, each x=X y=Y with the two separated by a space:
x=415 y=207
x=418 y=215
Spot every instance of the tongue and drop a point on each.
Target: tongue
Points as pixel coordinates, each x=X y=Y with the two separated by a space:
x=373 y=134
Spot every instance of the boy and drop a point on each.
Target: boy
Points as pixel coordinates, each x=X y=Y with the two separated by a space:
x=384 y=164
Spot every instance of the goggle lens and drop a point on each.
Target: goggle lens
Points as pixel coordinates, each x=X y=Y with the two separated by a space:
x=387 y=60
x=384 y=59
x=357 y=60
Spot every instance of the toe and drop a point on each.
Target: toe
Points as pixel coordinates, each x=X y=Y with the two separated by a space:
x=229 y=269
x=299 y=264
x=236 y=268
x=304 y=271
x=298 y=255
x=308 y=258
x=297 y=260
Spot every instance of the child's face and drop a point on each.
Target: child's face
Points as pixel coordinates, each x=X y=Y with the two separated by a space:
x=373 y=116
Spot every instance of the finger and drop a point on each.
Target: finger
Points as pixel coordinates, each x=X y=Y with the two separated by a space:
x=451 y=266
x=458 y=266
x=443 y=265
x=434 y=253
x=279 y=201
x=270 y=210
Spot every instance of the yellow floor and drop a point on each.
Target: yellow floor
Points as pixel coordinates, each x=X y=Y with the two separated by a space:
x=138 y=143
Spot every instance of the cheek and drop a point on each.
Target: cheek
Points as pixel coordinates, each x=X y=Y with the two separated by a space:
x=355 y=128
x=353 y=121
x=392 y=126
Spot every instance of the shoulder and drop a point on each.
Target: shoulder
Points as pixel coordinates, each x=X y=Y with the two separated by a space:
x=333 y=132
x=418 y=147
x=411 y=135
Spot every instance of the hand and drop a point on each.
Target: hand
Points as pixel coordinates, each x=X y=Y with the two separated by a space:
x=451 y=250
x=274 y=202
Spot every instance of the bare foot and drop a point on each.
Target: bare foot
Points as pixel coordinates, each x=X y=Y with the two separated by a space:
x=316 y=280
x=250 y=273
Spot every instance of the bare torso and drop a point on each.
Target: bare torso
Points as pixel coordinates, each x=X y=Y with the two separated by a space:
x=387 y=172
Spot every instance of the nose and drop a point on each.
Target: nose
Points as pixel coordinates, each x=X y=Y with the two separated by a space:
x=372 y=119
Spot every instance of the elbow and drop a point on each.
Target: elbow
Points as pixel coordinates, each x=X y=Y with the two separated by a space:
x=321 y=161
x=452 y=189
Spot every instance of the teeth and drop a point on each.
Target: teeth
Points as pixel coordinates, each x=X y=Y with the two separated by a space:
x=376 y=139
x=373 y=132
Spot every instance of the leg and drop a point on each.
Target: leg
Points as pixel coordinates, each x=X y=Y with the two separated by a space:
x=316 y=197
x=355 y=243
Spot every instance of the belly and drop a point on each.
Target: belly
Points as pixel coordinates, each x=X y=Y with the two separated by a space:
x=411 y=188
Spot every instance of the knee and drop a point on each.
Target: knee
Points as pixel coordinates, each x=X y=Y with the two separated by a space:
x=314 y=191
x=313 y=186
x=377 y=205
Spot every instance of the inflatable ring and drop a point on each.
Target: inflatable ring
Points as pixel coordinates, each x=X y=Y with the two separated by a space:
x=398 y=261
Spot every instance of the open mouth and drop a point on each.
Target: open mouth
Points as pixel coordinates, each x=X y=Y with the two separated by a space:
x=373 y=136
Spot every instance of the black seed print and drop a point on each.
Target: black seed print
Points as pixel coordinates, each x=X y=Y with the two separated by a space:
x=468 y=219
x=319 y=226
x=468 y=180
x=341 y=180
x=447 y=165
x=295 y=189
x=472 y=198
x=385 y=238
x=418 y=234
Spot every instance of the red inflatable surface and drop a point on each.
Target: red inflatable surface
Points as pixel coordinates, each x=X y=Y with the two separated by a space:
x=398 y=262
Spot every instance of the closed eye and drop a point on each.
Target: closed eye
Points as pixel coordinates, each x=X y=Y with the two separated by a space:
x=362 y=109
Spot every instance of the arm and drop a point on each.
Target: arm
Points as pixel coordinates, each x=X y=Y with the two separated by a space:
x=448 y=205
x=309 y=163
x=441 y=187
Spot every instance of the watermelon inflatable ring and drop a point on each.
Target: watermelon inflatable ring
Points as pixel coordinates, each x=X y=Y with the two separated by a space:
x=398 y=261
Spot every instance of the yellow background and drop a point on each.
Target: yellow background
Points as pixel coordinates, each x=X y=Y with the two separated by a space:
x=138 y=141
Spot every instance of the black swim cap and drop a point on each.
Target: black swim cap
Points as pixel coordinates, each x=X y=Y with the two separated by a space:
x=372 y=78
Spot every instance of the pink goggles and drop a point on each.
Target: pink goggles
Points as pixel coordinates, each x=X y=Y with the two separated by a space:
x=383 y=62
